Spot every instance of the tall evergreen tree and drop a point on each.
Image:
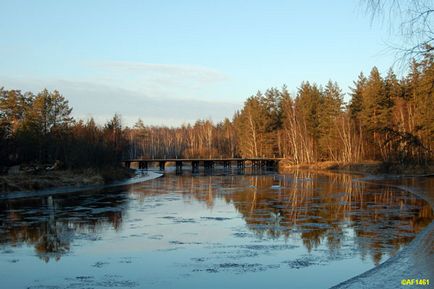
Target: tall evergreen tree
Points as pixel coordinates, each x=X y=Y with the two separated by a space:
x=356 y=103
x=308 y=105
x=331 y=109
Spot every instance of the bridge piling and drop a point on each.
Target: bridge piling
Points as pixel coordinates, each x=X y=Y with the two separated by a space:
x=195 y=166
x=178 y=165
x=143 y=165
x=241 y=164
x=162 y=165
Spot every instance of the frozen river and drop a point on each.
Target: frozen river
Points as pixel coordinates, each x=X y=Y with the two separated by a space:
x=300 y=230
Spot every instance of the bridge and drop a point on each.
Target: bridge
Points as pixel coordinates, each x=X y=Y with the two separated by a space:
x=206 y=163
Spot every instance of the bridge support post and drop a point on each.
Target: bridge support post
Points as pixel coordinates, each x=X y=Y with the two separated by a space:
x=241 y=164
x=143 y=165
x=208 y=164
x=195 y=166
x=275 y=164
x=127 y=164
x=178 y=167
x=162 y=165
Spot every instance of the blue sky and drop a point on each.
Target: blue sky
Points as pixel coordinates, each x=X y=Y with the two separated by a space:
x=170 y=62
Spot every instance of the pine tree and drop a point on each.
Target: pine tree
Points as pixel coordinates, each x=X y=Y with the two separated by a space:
x=307 y=106
x=331 y=109
x=376 y=112
x=421 y=102
x=356 y=103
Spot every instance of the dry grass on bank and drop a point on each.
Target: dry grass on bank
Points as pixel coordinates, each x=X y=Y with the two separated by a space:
x=22 y=181
x=366 y=167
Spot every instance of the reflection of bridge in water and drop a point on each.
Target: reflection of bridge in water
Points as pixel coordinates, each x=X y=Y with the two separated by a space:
x=317 y=207
x=270 y=163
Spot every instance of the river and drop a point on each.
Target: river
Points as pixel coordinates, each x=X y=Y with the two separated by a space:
x=225 y=230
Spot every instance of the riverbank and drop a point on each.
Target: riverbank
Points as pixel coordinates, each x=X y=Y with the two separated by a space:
x=32 y=181
x=79 y=188
x=366 y=168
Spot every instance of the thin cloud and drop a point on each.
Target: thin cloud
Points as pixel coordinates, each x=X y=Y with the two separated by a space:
x=160 y=80
x=103 y=101
x=174 y=71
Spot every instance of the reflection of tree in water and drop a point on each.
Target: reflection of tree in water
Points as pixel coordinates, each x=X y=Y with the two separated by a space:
x=51 y=224
x=321 y=208
x=56 y=238
x=325 y=209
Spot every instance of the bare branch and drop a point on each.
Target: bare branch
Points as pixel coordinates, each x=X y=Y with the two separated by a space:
x=412 y=19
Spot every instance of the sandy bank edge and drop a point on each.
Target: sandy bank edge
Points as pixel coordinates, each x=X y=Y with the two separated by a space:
x=412 y=262
x=73 y=189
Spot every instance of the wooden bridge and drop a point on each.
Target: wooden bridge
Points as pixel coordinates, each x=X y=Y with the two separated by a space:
x=206 y=163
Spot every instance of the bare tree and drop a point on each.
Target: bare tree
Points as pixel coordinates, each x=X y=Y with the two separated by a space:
x=413 y=20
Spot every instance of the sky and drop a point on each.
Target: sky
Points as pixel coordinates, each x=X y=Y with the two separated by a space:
x=171 y=62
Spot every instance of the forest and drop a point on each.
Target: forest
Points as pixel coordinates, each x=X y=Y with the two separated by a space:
x=387 y=118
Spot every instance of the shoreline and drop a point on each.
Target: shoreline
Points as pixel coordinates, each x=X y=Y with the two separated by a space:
x=415 y=261
x=376 y=169
x=22 y=180
x=80 y=188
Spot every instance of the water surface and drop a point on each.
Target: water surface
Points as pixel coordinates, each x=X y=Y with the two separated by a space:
x=301 y=230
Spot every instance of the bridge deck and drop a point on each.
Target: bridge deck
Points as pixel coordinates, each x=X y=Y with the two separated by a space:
x=207 y=163
x=200 y=160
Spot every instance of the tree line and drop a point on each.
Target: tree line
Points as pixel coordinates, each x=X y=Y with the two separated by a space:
x=39 y=129
x=387 y=119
